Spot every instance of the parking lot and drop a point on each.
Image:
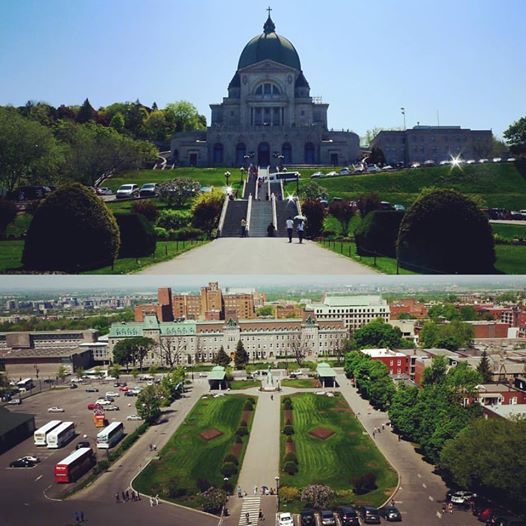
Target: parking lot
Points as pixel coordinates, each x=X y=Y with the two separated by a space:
x=75 y=404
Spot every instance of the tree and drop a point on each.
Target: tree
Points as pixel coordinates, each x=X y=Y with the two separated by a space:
x=171 y=349
x=315 y=213
x=498 y=148
x=515 y=134
x=222 y=358
x=114 y=371
x=178 y=191
x=452 y=336
x=317 y=496
x=343 y=212
x=462 y=239
x=463 y=379
x=28 y=150
x=436 y=374
x=484 y=367
x=62 y=373
x=370 y=135
x=311 y=190
x=148 y=404
x=132 y=350
x=213 y=500
x=378 y=232
x=241 y=357
x=367 y=203
x=377 y=333
x=86 y=113
x=79 y=372
x=71 y=230
x=117 y=122
x=206 y=209
x=377 y=156
x=183 y=116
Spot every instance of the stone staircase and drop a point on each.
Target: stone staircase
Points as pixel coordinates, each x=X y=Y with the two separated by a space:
x=284 y=210
x=236 y=211
x=260 y=218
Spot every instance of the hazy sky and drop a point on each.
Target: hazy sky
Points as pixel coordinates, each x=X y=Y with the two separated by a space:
x=465 y=58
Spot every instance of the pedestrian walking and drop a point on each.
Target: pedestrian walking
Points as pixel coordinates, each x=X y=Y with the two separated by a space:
x=272 y=397
x=157 y=500
x=151 y=447
x=117 y=498
x=123 y=497
x=383 y=427
x=77 y=517
x=290 y=225
x=247 y=517
x=81 y=516
x=151 y=502
x=374 y=434
x=270 y=230
x=261 y=516
x=301 y=231
x=450 y=507
x=137 y=496
x=239 y=494
x=444 y=507
x=243 y=227
x=255 y=490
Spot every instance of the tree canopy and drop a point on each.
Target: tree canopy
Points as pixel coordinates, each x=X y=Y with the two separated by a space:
x=378 y=333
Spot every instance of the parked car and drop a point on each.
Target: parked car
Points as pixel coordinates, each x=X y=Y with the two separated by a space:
x=462 y=498
x=120 y=384
x=94 y=406
x=399 y=208
x=483 y=161
x=332 y=174
x=429 y=163
x=348 y=516
x=415 y=165
x=55 y=409
x=104 y=190
x=30 y=458
x=387 y=167
x=345 y=171
x=103 y=401
x=315 y=175
x=127 y=191
x=372 y=168
x=307 y=518
x=133 y=417
x=73 y=386
x=111 y=407
x=111 y=394
x=15 y=401
x=23 y=463
x=369 y=515
x=471 y=161
x=29 y=193
x=506 y=520
x=149 y=190
x=444 y=163
x=510 y=159
x=497 y=159
x=327 y=518
x=391 y=514
x=285 y=519
x=91 y=389
x=82 y=443
x=131 y=392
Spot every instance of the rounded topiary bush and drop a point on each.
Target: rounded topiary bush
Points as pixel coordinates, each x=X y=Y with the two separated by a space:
x=228 y=469
x=288 y=430
x=71 y=230
x=231 y=458
x=291 y=468
x=378 y=233
x=445 y=232
x=137 y=236
x=291 y=457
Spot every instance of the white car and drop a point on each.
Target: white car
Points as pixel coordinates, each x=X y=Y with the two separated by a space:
x=415 y=165
x=102 y=401
x=285 y=519
x=345 y=171
x=387 y=167
x=30 y=458
x=444 y=163
x=127 y=191
x=332 y=174
x=497 y=159
x=510 y=159
x=372 y=168
x=483 y=161
x=471 y=161
x=462 y=497
x=111 y=394
x=133 y=417
x=317 y=174
x=55 y=409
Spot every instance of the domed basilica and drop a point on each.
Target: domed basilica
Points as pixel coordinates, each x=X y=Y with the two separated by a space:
x=269 y=112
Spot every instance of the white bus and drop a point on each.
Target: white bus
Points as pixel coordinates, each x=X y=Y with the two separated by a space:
x=110 y=435
x=61 y=435
x=26 y=384
x=40 y=435
x=283 y=176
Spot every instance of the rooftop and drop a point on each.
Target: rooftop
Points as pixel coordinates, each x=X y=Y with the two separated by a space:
x=343 y=301
x=382 y=353
x=508 y=411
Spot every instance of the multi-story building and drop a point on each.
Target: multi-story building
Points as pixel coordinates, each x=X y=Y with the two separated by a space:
x=186 y=342
x=355 y=311
x=407 y=306
x=397 y=363
x=433 y=143
x=62 y=339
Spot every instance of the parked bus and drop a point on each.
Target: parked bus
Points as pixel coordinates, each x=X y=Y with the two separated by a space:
x=110 y=435
x=283 y=176
x=26 y=384
x=40 y=435
x=61 y=435
x=74 y=465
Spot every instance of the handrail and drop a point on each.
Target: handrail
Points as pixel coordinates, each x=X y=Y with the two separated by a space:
x=257 y=187
x=274 y=212
x=222 y=216
x=249 y=212
x=281 y=186
x=243 y=190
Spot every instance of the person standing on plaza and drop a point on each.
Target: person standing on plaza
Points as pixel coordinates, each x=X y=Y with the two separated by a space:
x=301 y=231
x=290 y=226
x=243 y=227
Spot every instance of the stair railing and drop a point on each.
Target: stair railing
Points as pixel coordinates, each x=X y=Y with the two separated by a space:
x=274 y=212
x=257 y=187
x=222 y=216
x=249 y=213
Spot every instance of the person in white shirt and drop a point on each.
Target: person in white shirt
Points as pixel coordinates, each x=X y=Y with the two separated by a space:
x=290 y=225
x=301 y=231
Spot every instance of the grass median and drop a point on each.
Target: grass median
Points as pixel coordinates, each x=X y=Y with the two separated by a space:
x=194 y=457
x=331 y=449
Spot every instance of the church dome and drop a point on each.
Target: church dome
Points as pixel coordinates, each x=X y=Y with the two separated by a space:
x=269 y=46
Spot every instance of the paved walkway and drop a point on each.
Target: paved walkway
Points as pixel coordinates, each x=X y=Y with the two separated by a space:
x=261 y=255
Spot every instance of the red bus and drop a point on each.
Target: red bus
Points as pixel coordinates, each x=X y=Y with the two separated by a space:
x=74 y=466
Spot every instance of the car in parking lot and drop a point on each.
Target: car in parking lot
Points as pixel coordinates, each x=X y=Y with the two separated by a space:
x=497 y=159
x=31 y=458
x=15 y=401
x=94 y=406
x=369 y=515
x=111 y=407
x=149 y=190
x=55 y=409
x=104 y=190
x=316 y=175
x=285 y=519
x=327 y=518
x=372 y=168
x=348 y=516
x=103 y=401
x=127 y=191
x=307 y=518
x=332 y=174
x=345 y=171
x=82 y=443
x=133 y=417
x=391 y=514
x=462 y=498
x=111 y=394
x=506 y=520
x=91 y=389
x=22 y=463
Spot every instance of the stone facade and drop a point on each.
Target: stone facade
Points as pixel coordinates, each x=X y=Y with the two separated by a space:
x=268 y=112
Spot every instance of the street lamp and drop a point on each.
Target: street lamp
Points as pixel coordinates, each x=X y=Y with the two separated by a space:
x=276 y=478
x=241 y=172
x=227 y=177
x=403 y=113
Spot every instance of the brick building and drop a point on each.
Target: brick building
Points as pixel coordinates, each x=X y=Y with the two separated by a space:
x=397 y=363
x=407 y=306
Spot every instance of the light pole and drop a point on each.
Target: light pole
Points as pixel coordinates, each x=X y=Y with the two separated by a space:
x=227 y=177
x=276 y=478
x=403 y=114
x=241 y=172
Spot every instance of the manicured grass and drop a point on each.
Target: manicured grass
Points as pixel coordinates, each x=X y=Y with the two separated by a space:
x=11 y=255
x=243 y=384
x=19 y=226
x=511 y=259
x=187 y=457
x=337 y=460
x=509 y=231
x=300 y=383
x=165 y=250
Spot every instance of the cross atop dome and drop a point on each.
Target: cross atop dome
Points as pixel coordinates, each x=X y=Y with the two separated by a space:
x=269 y=26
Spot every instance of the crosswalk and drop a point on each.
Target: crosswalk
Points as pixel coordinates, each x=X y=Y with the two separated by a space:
x=251 y=505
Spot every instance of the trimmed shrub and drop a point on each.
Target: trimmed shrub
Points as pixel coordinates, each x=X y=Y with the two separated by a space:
x=207 y=209
x=238 y=439
x=228 y=487
x=161 y=234
x=364 y=484
x=231 y=458
x=137 y=236
x=378 y=233
x=315 y=214
x=445 y=231
x=243 y=423
x=241 y=431
x=228 y=469
x=291 y=468
x=213 y=500
x=147 y=209
x=178 y=191
x=203 y=485
x=249 y=405
x=187 y=234
x=288 y=430
x=367 y=203
x=72 y=230
x=7 y=214
x=288 y=493
x=343 y=212
x=101 y=466
x=287 y=403
x=174 y=219
x=291 y=457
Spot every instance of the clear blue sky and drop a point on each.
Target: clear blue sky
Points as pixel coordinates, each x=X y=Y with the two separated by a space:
x=465 y=58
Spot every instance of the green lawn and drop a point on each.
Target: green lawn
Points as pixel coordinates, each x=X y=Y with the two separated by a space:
x=11 y=255
x=337 y=460
x=509 y=231
x=243 y=384
x=187 y=457
x=511 y=259
x=300 y=383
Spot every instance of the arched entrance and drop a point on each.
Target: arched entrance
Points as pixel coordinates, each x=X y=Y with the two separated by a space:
x=310 y=153
x=286 y=151
x=241 y=151
x=264 y=154
x=217 y=156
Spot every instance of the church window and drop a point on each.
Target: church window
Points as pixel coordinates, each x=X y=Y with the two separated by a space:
x=267 y=89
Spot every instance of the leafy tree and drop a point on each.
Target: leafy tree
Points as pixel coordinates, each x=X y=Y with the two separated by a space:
x=206 y=210
x=99 y=373
x=86 y=113
x=377 y=156
x=367 y=203
x=148 y=404
x=135 y=373
x=515 y=134
x=146 y=208
x=317 y=496
x=117 y=122
x=461 y=234
x=177 y=192
x=157 y=127
x=62 y=373
x=370 y=135
x=313 y=191
x=343 y=212
x=222 y=358
x=463 y=379
x=267 y=310
x=484 y=367
x=71 y=230
x=452 y=336
x=79 y=372
x=436 y=374
x=241 y=357
x=7 y=214
x=114 y=371
x=377 y=333
x=315 y=214
x=183 y=116
x=378 y=232
x=213 y=500
x=132 y=350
